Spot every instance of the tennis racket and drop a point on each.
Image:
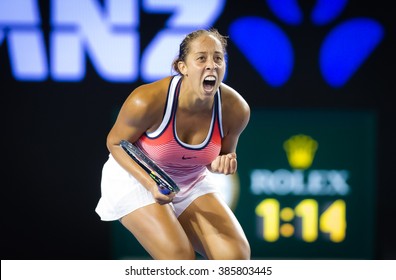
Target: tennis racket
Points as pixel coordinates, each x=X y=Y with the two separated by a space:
x=165 y=184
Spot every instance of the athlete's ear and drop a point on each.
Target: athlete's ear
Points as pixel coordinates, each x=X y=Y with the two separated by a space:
x=182 y=67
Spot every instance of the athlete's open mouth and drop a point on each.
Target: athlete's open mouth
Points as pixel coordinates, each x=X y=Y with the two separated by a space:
x=209 y=82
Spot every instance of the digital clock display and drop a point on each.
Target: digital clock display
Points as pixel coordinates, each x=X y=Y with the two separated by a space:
x=306 y=220
x=307 y=184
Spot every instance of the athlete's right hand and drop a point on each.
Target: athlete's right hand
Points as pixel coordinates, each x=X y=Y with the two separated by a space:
x=161 y=198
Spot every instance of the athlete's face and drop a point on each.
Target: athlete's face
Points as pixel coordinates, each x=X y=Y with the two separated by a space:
x=205 y=65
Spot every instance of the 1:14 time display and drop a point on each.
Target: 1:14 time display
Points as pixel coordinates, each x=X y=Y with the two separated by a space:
x=304 y=221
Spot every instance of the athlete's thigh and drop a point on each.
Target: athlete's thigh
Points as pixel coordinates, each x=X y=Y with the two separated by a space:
x=213 y=229
x=157 y=229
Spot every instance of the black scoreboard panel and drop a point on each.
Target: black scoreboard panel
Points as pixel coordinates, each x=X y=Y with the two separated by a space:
x=307 y=181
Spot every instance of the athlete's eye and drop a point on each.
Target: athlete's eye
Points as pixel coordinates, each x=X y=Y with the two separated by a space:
x=219 y=59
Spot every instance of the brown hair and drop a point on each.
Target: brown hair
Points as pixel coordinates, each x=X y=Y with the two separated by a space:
x=184 y=47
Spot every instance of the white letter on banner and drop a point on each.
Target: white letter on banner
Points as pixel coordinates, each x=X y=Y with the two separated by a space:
x=186 y=17
x=108 y=35
x=20 y=25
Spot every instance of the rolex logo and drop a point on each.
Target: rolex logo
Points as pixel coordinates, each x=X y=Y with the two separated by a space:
x=300 y=150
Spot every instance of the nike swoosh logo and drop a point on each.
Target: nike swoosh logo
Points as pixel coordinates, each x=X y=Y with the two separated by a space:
x=184 y=157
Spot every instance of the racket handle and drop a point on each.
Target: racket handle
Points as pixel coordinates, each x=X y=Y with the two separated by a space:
x=163 y=190
x=160 y=183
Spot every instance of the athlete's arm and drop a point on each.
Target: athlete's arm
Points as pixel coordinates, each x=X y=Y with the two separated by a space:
x=142 y=111
x=236 y=115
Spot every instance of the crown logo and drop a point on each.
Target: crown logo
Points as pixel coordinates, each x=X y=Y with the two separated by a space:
x=300 y=150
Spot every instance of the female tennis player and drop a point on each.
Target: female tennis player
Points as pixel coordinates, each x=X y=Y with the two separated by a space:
x=189 y=124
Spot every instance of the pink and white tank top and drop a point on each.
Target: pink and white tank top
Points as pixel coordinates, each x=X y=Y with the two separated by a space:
x=185 y=163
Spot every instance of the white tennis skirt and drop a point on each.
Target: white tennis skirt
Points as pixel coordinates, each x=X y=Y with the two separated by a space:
x=122 y=193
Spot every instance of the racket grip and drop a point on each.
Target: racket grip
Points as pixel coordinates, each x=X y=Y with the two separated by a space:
x=163 y=190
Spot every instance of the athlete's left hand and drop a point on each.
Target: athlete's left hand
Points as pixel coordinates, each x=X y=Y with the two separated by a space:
x=225 y=164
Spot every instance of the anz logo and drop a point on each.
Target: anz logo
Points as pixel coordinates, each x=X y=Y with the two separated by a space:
x=107 y=34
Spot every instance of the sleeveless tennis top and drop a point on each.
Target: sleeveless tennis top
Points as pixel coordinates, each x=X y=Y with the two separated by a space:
x=184 y=163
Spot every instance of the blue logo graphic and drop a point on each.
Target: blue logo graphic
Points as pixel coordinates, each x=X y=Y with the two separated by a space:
x=343 y=50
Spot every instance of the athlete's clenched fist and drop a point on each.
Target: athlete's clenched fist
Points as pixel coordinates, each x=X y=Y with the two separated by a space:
x=225 y=164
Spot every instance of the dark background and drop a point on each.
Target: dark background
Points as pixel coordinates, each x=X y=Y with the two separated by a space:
x=54 y=133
